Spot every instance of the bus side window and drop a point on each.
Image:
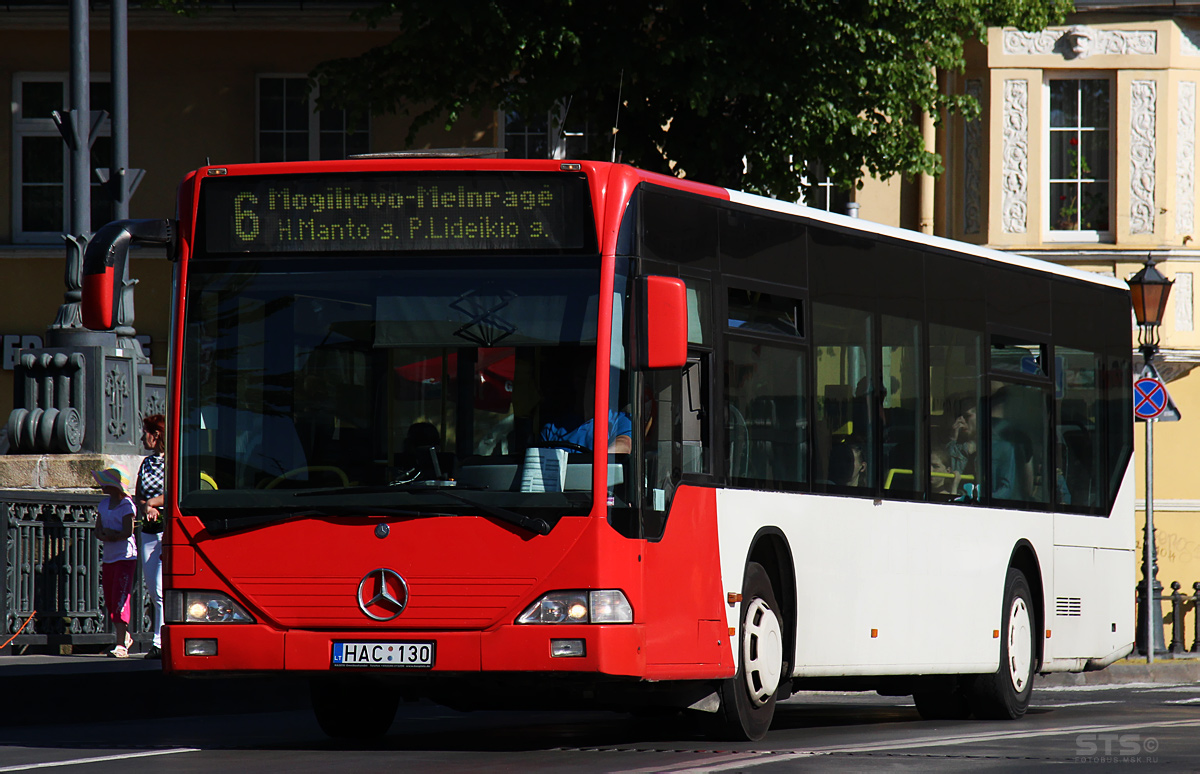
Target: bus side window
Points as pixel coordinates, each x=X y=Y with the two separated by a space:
x=955 y=412
x=849 y=397
x=676 y=436
x=1078 y=454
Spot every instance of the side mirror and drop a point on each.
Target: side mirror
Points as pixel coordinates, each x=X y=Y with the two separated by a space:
x=662 y=322
x=106 y=270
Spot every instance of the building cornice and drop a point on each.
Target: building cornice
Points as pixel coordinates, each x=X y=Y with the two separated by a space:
x=1109 y=253
x=284 y=16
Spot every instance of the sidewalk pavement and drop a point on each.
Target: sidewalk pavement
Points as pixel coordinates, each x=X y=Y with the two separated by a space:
x=1130 y=670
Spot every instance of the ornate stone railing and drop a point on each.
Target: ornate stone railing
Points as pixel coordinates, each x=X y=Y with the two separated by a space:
x=50 y=566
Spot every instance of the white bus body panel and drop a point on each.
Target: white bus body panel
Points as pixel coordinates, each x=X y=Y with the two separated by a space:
x=1090 y=605
x=900 y=588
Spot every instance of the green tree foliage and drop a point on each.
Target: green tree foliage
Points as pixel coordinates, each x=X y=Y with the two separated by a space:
x=702 y=84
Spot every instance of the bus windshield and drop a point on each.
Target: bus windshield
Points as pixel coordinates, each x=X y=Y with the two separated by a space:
x=361 y=382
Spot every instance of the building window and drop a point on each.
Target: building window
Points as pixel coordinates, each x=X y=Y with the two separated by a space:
x=290 y=128
x=41 y=160
x=820 y=192
x=1080 y=197
x=550 y=136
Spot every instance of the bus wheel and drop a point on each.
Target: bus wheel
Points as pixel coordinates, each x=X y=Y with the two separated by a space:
x=348 y=708
x=748 y=699
x=1005 y=694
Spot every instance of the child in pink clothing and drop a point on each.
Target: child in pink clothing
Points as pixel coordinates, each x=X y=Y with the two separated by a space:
x=114 y=528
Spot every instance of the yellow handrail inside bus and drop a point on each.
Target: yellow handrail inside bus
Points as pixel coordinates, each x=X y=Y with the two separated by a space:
x=207 y=482
x=892 y=473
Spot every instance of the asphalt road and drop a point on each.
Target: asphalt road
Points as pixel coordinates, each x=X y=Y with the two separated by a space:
x=1109 y=728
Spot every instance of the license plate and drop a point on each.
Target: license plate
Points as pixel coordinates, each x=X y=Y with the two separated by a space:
x=405 y=655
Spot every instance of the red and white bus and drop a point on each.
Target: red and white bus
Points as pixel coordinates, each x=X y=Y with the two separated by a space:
x=838 y=454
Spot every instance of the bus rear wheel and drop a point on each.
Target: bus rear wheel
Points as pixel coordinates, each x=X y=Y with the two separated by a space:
x=1004 y=695
x=353 y=708
x=748 y=698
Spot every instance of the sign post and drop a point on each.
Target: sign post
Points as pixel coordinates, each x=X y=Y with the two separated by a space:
x=1151 y=404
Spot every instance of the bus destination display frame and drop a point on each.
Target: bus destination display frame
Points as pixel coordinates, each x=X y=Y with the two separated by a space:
x=524 y=212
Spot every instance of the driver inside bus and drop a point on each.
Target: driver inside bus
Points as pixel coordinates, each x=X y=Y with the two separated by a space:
x=569 y=428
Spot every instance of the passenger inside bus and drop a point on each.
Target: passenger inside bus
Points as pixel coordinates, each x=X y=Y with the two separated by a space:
x=847 y=464
x=944 y=481
x=1012 y=454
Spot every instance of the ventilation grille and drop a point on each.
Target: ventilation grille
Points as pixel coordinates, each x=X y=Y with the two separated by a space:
x=1070 y=607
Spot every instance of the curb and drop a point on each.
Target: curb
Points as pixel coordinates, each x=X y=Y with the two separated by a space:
x=1127 y=672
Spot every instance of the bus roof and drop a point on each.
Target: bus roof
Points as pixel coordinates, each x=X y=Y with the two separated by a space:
x=871 y=227
x=440 y=159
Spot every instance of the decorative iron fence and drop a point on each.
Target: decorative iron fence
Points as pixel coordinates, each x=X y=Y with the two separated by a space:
x=50 y=564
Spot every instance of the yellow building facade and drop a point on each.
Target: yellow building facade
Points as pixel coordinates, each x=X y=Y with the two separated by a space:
x=1084 y=153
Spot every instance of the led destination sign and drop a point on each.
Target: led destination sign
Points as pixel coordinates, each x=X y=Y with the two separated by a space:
x=390 y=212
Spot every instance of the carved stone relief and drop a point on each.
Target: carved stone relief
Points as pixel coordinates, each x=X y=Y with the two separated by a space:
x=1142 y=106
x=1189 y=41
x=1185 y=160
x=1014 y=203
x=972 y=172
x=1080 y=42
x=1182 y=295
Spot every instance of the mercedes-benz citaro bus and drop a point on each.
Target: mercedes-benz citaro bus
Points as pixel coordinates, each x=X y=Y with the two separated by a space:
x=830 y=453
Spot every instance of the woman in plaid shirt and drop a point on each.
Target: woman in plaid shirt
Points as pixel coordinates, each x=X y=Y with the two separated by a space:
x=149 y=498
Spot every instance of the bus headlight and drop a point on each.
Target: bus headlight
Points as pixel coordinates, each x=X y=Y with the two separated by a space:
x=599 y=606
x=203 y=607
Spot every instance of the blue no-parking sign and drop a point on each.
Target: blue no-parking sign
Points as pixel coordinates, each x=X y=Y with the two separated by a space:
x=1149 y=398
x=1151 y=401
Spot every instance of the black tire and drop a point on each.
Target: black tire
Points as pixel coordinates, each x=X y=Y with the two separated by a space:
x=748 y=698
x=352 y=708
x=952 y=703
x=1005 y=694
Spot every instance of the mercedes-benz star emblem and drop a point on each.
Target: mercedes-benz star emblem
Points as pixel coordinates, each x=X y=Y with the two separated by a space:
x=382 y=594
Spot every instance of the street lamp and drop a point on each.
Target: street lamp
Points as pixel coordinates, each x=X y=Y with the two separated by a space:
x=1149 y=290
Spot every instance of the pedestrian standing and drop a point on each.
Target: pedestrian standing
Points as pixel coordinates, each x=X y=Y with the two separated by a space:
x=150 y=499
x=114 y=528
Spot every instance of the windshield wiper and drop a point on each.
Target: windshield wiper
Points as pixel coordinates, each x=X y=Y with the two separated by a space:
x=532 y=523
x=228 y=524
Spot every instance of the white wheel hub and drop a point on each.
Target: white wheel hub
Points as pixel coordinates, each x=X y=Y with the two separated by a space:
x=1020 y=644
x=762 y=651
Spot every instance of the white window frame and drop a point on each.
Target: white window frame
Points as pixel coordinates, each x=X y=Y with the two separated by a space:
x=1050 y=234
x=314 y=118
x=556 y=136
x=825 y=189
x=23 y=127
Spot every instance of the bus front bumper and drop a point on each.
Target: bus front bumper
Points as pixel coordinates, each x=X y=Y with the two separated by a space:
x=227 y=648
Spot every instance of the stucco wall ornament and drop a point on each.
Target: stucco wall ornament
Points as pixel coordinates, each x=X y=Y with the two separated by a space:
x=1080 y=41
x=1014 y=203
x=1185 y=160
x=1142 y=111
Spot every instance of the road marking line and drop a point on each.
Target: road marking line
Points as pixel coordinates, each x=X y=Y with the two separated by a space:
x=101 y=759
x=1076 y=704
x=1109 y=687
x=765 y=757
